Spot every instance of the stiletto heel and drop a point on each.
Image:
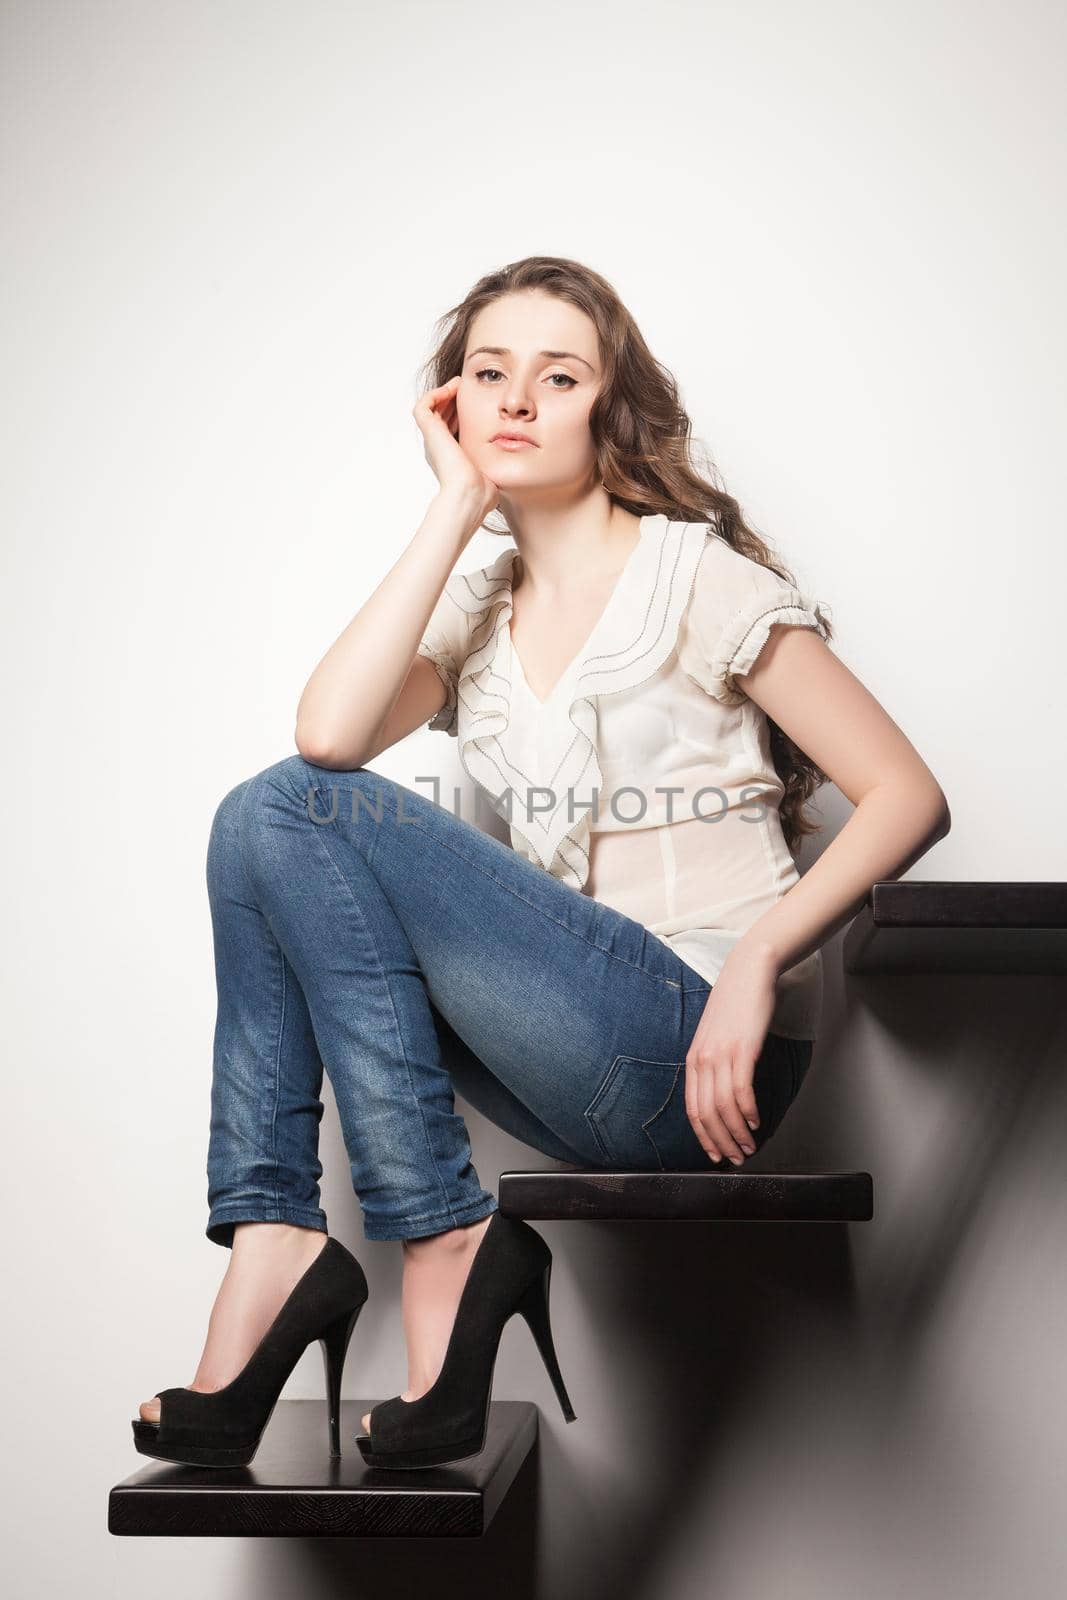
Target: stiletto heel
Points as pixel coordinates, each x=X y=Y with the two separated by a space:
x=534 y=1307
x=223 y=1427
x=333 y=1342
x=509 y=1273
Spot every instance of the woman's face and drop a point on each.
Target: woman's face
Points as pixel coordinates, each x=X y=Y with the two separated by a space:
x=509 y=385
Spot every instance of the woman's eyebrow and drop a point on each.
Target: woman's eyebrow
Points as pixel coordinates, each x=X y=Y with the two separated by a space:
x=552 y=355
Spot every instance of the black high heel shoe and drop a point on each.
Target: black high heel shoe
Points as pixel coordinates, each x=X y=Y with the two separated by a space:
x=510 y=1272
x=223 y=1428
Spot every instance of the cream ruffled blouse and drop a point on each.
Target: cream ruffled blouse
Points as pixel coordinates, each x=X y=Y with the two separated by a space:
x=647 y=726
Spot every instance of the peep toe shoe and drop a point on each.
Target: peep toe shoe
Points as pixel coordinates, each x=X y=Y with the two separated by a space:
x=510 y=1272
x=223 y=1428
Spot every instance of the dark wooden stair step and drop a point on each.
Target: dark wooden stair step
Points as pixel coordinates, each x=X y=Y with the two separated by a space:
x=293 y=1488
x=1000 y=928
x=579 y=1194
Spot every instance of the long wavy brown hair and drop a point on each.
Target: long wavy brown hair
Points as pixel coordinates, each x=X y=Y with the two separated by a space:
x=644 y=451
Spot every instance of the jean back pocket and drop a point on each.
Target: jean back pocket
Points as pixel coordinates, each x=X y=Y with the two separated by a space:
x=638 y=1116
x=626 y=1115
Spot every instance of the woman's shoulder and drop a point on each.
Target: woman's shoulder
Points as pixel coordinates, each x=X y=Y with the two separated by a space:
x=734 y=603
x=730 y=573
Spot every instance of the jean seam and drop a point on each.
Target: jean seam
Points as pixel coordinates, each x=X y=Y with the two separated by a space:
x=399 y=1226
x=588 y=1112
x=280 y=1205
x=632 y=966
x=319 y=834
x=278 y=1081
x=646 y=1127
x=240 y=1210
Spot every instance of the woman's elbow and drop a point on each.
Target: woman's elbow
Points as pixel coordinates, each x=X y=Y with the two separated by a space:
x=315 y=749
x=942 y=816
x=946 y=822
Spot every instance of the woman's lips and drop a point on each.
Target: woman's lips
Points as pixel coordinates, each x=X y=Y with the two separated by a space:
x=515 y=444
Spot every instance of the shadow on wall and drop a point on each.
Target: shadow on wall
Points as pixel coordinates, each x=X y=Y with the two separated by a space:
x=681 y=1343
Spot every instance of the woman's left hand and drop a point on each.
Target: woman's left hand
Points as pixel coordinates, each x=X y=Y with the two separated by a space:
x=721 y=1061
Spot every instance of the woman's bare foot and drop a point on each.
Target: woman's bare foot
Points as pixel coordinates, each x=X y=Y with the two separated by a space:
x=435 y=1270
x=266 y=1262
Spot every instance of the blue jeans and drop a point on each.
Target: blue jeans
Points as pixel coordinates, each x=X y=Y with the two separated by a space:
x=361 y=927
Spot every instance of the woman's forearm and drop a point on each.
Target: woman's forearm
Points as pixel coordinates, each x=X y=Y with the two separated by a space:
x=893 y=825
x=355 y=685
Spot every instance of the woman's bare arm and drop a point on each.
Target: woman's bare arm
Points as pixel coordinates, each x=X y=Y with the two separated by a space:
x=901 y=809
x=370 y=682
x=371 y=688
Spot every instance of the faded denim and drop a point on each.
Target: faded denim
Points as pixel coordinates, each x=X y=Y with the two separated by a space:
x=361 y=928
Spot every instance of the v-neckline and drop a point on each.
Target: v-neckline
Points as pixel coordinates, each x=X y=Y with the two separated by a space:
x=519 y=671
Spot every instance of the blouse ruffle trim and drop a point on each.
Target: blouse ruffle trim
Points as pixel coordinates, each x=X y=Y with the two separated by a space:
x=443 y=721
x=633 y=638
x=743 y=639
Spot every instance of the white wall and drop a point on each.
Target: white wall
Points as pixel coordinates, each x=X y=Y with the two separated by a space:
x=227 y=229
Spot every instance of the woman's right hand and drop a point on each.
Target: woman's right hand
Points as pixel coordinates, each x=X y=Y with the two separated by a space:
x=436 y=414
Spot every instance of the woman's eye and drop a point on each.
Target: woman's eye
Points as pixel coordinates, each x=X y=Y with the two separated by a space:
x=567 y=379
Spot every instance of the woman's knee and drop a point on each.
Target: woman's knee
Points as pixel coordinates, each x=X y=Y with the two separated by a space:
x=237 y=811
x=223 y=846
x=278 y=802
x=223 y=834
x=350 y=793
x=284 y=780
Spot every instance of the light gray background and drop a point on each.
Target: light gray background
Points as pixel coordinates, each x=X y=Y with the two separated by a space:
x=227 y=229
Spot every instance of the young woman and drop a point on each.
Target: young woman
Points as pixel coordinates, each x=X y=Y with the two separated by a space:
x=633 y=981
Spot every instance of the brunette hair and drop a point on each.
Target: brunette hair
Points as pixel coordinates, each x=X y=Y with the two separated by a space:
x=644 y=451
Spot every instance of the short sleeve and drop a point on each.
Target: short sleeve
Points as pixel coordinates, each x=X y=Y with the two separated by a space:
x=733 y=607
x=444 y=642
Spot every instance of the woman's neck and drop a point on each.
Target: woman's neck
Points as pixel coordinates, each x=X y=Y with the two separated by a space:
x=558 y=554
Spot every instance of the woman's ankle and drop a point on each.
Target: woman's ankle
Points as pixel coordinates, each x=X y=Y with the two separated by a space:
x=273 y=1237
x=450 y=1240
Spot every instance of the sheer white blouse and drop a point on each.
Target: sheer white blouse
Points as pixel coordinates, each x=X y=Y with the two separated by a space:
x=645 y=779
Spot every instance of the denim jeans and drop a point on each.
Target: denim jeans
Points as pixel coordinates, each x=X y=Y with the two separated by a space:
x=362 y=928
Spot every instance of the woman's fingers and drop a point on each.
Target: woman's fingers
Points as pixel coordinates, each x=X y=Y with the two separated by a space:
x=450 y=414
x=746 y=1104
x=437 y=405
x=719 y=1103
x=701 y=1110
x=434 y=400
x=728 y=1088
x=437 y=413
x=718 y=1128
